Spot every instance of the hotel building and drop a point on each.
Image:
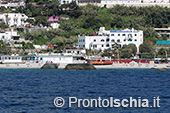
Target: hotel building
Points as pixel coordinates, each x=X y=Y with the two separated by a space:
x=108 y=38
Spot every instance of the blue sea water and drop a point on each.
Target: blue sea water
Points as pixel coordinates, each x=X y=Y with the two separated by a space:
x=33 y=90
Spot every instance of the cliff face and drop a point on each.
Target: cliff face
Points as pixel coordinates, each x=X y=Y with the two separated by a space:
x=79 y=67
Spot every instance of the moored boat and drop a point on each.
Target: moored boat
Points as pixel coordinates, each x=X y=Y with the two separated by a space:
x=101 y=62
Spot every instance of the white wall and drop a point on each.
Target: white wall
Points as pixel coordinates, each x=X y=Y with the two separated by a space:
x=95 y=42
x=65 y=1
x=7 y=35
x=11 y=59
x=14 y=19
x=57 y=59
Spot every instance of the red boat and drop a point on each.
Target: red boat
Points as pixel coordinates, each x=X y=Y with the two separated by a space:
x=101 y=62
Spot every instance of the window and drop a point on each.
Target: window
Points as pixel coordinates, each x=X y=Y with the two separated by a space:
x=94 y=40
x=113 y=40
x=3 y=37
x=107 y=34
x=107 y=40
x=119 y=45
x=107 y=45
x=95 y=46
x=118 y=34
x=129 y=39
x=112 y=34
x=102 y=45
x=102 y=40
x=135 y=34
x=15 y=20
x=125 y=40
x=22 y=20
x=118 y=40
x=135 y=39
x=123 y=34
x=129 y=35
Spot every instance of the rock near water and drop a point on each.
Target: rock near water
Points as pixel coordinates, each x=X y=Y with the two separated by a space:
x=79 y=67
x=50 y=66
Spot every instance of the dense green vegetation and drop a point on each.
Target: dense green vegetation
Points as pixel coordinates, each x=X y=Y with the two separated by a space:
x=3 y=49
x=87 y=19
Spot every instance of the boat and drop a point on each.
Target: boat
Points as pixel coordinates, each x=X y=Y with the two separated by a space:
x=101 y=62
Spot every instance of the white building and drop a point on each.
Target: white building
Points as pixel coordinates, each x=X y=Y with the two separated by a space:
x=11 y=59
x=111 y=3
x=56 y=59
x=55 y=25
x=132 y=1
x=65 y=1
x=9 y=37
x=163 y=31
x=108 y=38
x=13 y=4
x=13 y=19
x=75 y=51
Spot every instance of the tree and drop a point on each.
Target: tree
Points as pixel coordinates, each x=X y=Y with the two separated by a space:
x=3 y=26
x=128 y=51
x=41 y=20
x=28 y=46
x=3 y=49
x=147 y=50
x=31 y=21
x=162 y=52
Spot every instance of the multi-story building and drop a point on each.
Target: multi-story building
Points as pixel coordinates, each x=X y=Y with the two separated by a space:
x=163 y=31
x=13 y=19
x=109 y=38
x=9 y=37
x=13 y=4
x=110 y=3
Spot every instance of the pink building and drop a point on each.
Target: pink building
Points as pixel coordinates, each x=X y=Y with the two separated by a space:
x=51 y=19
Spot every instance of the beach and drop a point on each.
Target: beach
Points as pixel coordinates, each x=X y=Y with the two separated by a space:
x=113 y=66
